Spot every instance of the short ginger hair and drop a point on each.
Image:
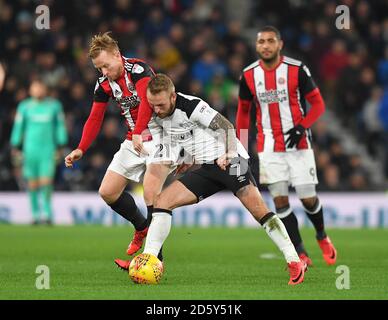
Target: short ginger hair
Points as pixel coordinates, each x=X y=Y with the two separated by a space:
x=102 y=42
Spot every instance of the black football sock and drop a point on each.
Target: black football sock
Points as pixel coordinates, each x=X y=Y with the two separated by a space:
x=149 y=214
x=160 y=255
x=291 y=223
x=266 y=217
x=126 y=207
x=315 y=214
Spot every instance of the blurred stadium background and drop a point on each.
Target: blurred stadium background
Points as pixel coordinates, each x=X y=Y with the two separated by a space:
x=203 y=45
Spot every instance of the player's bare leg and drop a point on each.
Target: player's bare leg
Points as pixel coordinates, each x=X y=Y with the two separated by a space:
x=174 y=196
x=250 y=197
x=112 y=186
x=154 y=178
x=112 y=191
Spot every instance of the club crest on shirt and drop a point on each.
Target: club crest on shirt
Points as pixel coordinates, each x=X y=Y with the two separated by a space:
x=137 y=68
x=281 y=80
x=133 y=67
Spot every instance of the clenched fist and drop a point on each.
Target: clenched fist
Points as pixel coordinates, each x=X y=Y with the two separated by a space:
x=72 y=157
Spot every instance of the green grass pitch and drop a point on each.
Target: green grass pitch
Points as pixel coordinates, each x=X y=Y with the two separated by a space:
x=214 y=263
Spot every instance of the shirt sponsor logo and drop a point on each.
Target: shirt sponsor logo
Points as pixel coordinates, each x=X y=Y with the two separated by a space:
x=128 y=102
x=186 y=125
x=273 y=96
x=181 y=136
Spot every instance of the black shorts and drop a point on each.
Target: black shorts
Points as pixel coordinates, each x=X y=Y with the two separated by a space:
x=210 y=179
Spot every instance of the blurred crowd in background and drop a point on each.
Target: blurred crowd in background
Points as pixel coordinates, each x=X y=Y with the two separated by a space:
x=203 y=45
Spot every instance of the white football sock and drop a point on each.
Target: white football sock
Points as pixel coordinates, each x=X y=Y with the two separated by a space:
x=157 y=232
x=278 y=233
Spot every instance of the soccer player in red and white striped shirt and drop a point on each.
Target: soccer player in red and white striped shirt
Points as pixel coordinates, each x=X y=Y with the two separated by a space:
x=125 y=80
x=278 y=86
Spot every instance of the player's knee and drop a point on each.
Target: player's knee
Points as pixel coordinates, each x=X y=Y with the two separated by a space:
x=149 y=197
x=108 y=195
x=281 y=202
x=310 y=203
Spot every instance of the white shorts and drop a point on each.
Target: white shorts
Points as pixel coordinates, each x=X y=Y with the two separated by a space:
x=296 y=167
x=129 y=164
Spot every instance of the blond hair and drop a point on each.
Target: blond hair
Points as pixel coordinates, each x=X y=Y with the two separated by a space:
x=102 y=42
x=160 y=82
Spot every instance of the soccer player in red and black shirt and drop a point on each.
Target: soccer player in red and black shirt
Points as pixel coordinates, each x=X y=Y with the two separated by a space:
x=125 y=80
x=278 y=86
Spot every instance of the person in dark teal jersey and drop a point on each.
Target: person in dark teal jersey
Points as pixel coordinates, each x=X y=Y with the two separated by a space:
x=39 y=131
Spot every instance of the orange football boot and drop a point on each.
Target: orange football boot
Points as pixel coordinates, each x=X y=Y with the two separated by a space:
x=296 y=270
x=123 y=264
x=137 y=241
x=328 y=251
x=304 y=257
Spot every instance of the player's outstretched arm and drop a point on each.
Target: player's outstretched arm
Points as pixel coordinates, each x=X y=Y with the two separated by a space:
x=72 y=157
